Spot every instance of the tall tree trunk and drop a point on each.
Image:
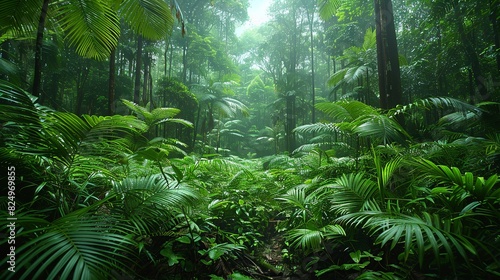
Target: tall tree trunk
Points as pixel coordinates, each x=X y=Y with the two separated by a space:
x=184 y=60
x=196 y=126
x=5 y=56
x=439 y=74
x=80 y=83
x=387 y=56
x=111 y=83
x=290 y=88
x=170 y=60
x=471 y=54
x=145 y=80
x=496 y=28
x=138 y=64
x=290 y=122
x=37 y=77
x=313 y=92
x=167 y=48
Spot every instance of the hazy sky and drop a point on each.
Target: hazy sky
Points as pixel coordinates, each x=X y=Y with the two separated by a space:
x=257 y=13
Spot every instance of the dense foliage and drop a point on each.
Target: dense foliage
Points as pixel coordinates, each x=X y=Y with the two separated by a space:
x=154 y=140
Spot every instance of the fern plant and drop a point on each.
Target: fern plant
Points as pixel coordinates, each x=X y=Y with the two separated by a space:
x=80 y=219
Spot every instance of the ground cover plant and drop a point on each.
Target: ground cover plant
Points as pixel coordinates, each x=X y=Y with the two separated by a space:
x=100 y=204
x=238 y=139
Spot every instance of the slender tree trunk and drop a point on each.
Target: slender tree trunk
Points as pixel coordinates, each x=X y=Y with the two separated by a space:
x=439 y=74
x=5 y=46
x=150 y=88
x=37 y=77
x=170 y=61
x=138 y=64
x=344 y=85
x=471 y=54
x=111 y=83
x=290 y=122
x=496 y=28
x=387 y=56
x=80 y=83
x=184 y=60
x=290 y=89
x=145 y=80
x=196 y=125
x=313 y=113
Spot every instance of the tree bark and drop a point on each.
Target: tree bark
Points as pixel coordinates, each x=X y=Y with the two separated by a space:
x=145 y=80
x=111 y=83
x=4 y=47
x=37 y=77
x=80 y=83
x=313 y=93
x=471 y=54
x=496 y=29
x=184 y=61
x=138 y=64
x=387 y=55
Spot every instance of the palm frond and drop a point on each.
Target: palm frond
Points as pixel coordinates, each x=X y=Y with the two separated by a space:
x=150 y=18
x=381 y=127
x=463 y=119
x=413 y=233
x=337 y=77
x=17 y=105
x=312 y=239
x=346 y=110
x=436 y=103
x=315 y=128
x=328 y=8
x=157 y=115
x=92 y=27
x=334 y=110
x=222 y=165
x=20 y=17
x=384 y=173
x=480 y=188
x=150 y=203
x=353 y=193
x=77 y=247
x=228 y=107
x=164 y=113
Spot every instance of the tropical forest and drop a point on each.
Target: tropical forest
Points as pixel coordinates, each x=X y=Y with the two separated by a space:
x=250 y=139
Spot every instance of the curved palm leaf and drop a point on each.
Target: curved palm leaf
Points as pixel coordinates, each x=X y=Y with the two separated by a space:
x=327 y=8
x=229 y=107
x=313 y=238
x=150 y=203
x=381 y=127
x=17 y=105
x=438 y=103
x=353 y=193
x=481 y=189
x=19 y=18
x=415 y=234
x=157 y=115
x=92 y=27
x=76 y=247
x=346 y=110
x=150 y=18
x=316 y=128
x=221 y=165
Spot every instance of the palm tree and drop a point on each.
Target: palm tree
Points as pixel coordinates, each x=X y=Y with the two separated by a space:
x=93 y=28
x=357 y=124
x=82 y=219
x=387 y=50
x=215 y=101
x=361 y=64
